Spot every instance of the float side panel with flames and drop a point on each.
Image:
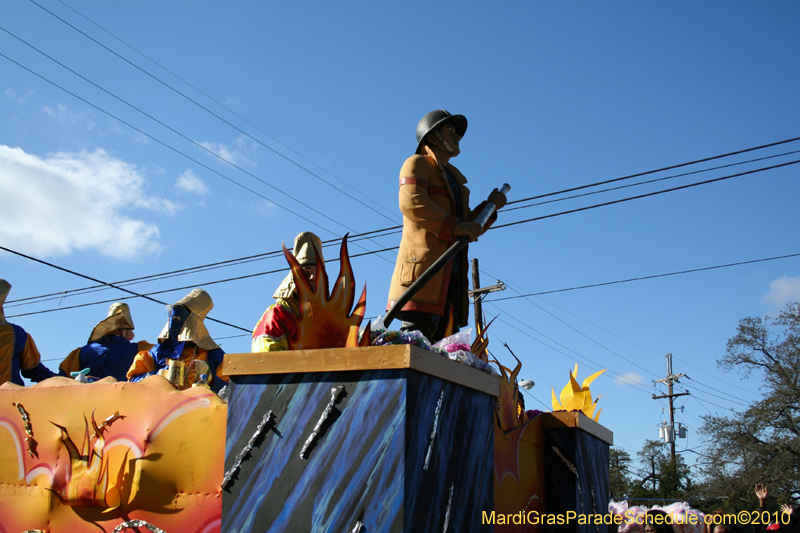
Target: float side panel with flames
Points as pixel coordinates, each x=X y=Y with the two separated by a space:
x=127 y=451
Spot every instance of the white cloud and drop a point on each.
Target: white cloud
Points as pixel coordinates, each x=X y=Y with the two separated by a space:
x=11 y=93
x=75 y=201
x=238 y=152
x=140 y=138
x=22 y=99
x=782 y=290
x=191 y=182
x=628 y=378
x=66 y=117
x=263 y=208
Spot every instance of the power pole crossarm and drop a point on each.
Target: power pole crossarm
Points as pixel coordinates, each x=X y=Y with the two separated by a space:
x=670 y=380
x=477 y=294
x=671 y=395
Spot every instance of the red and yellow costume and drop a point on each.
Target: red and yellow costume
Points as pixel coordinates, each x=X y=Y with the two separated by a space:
x=279 y=321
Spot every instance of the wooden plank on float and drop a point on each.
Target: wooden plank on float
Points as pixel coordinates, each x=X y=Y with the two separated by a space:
x=366 y=358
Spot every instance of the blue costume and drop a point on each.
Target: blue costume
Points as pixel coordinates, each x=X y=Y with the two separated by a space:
x=185 y=339
x=18 y=352
x=110 y=350
x=110 y=355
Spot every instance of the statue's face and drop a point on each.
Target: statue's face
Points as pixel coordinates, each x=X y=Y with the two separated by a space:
x=177 y=318
x=450 y=139
x=311 y=275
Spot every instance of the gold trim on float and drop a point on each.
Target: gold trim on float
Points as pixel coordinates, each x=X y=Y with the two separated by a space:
x=366 y=358
x=577 y=420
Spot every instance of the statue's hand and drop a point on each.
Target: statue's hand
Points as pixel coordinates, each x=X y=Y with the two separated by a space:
x=470 y=230
x=498 y=199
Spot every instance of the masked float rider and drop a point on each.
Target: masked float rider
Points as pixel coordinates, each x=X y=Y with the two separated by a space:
x=18 y=352
x=278 y=321
x=110 y=350
x=184 y=339
x=434 y=200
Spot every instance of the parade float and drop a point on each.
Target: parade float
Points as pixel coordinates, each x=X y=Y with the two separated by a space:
x=354 y=429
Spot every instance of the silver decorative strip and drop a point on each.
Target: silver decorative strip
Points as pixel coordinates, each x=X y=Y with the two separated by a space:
x=223 y=393
x=358 y=528
x=447 y=512
x=132 y=524
x=534 y=497
x=246 y=450
x=335 y=392
x=433 y=432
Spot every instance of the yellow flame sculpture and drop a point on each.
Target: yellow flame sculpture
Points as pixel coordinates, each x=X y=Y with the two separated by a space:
x=576 y=397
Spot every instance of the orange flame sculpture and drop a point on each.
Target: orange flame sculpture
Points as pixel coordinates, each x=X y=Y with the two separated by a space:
x=325 y=320
x=510 y=413
x=83 y=480
x=576 y=397
x=518 y=457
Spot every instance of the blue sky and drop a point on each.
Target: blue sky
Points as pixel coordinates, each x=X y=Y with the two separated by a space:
x=316 y=106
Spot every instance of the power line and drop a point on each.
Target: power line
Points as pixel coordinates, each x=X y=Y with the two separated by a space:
x=191 y=158
x=651 y=181
x=394 y=248
x=162 y=142
x=714 y=404
x=164 y=275
x=715 y=377
x=598 y=183
x=622 y=379
x=189 y=270
x=498 y=276
x=185 y=137
x=209 y=111
x=655 y=193
x=103 y=282
x=734 y=398
x=358 y=236
x=505 y=225
x=217 y=102
x=145 y=295
x=646 y=277
x=318 y=177
x=581 y=333
x=735 y=402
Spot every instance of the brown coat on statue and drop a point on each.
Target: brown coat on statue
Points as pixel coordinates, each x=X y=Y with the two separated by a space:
x=429 y=218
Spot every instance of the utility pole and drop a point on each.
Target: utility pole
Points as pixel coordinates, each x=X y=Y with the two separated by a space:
x=477 y=294
x=670 y=380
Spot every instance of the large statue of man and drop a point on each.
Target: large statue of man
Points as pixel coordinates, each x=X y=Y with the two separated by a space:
x=434 y=200
x=278 y=321
x=110 y=350
x=18 y=352
x=185 y=349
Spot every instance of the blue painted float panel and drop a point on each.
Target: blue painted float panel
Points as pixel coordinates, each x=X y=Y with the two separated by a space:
x=367 y=463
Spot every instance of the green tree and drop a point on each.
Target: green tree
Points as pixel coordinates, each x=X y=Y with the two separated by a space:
x=762 y=443
x=664 y=479
x=619 y=462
